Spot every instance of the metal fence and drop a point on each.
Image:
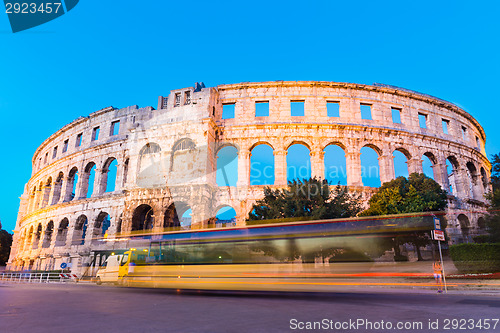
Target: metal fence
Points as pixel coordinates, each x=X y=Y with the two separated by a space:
x=38 y=277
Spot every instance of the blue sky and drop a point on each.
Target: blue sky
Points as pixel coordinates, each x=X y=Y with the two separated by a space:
x=123 y=53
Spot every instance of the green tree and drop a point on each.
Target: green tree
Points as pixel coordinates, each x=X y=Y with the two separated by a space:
x=418 y=193
x=5 y=244
x=311 y=198
x=495 y=171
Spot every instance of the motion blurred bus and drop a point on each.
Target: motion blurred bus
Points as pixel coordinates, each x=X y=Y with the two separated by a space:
x=298 y=256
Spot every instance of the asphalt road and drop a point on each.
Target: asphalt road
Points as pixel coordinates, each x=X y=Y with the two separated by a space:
x=89 y=308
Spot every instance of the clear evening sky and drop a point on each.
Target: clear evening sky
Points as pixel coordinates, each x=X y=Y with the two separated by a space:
x=125 y=52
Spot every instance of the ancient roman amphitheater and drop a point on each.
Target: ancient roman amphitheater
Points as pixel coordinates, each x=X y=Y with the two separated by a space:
x=120 y=170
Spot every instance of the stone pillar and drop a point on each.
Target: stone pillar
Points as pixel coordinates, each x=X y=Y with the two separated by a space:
x=119 y=176
x=440 y=175
x=243 y=168
x=386 y=167
x=415 y=165
x=353 y=166
x=280 y=167
x=99 y=186
x=317 y=164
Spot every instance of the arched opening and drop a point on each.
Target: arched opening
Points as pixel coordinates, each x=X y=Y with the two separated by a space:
x=171 y=219
x=481 y=223
x=484 y=179
x=39 y=196
x=227 y=166
x=187 y=219
x=38 y=235
x=48 y=235
x=58 y=184
x=29 y=239
x=370 y=170
x=298 y=162
x=72 y=183
x=149 y=169
x=225 y=217
x=335 y=165
x=262 y=165
x=400 y=164
x=80 y=230
x=463 y=220
x=451 y=171
x=33 y=200
x=62 y=232
x=108 y=179
x=101 y=226
x=143 y=218
x=428 y=166
x=472 y=177
x=46 y=192
x=88 y=180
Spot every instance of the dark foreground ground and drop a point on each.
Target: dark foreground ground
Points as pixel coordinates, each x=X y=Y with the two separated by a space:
x=90 y=308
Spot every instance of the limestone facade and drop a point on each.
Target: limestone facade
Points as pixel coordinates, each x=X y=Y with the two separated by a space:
x=166 y=160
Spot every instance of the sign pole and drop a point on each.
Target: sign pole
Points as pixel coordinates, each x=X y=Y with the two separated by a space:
x=442 y=266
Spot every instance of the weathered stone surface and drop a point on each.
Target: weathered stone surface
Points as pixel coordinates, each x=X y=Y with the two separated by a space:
x=168 y=157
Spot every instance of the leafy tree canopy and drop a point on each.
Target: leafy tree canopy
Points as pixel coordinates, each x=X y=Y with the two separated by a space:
x=306 y=198
x=5 y=244
x=495 y=171
x=418 y=193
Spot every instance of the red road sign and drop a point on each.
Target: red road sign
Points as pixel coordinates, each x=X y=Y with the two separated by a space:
x=438 y=235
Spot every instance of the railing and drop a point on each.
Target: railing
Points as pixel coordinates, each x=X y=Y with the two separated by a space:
x=38 y=277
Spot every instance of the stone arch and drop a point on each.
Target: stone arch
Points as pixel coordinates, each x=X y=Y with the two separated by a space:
x=149 y=168
x=370 y=166
x=484 y=179
x=227 y=166
x=464 y=223
x=62 y=232
x=171 y=218
x=481 y=223
x=38 y=236
x=101 y=226
x=71 y=184
x=374 y=147
x=39 y=197
x=46 y=192
x=335 y=163
x=225 y=216
x=428 y=163
x=80 y=230
x=290 y=143
x=29 y=239
x=33 y=200
x=58 y=184
x=262 y=168
x=258 y=143
x=452 y=175
x=88 y=180
x=108 y=175
x=472 y=176
x=431 y=157
x=298 y=161
x=49 y=230
x=400 y=158
x=143 y=218
x=183 y=144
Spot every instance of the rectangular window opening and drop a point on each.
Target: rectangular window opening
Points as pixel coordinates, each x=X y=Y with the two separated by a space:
x=396 y=115
x=422 y=120
x=65 y=145
x=54 y=152
x=366 y=111
x=46 y=157
x=262 y=109
x=464 y=133
x=165 y=102
x=297 y=108
x=177 y=99
x=228 y=111
x=333 y=109
x=95 y=133
x=79 y=140
x=115 y=128
x=478 y=143
x=187 y=97
x=446 y=124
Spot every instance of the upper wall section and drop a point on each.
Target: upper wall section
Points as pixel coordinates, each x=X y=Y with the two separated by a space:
x=414 y=108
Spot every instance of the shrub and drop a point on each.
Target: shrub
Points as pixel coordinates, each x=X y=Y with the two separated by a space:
x=476 y=258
